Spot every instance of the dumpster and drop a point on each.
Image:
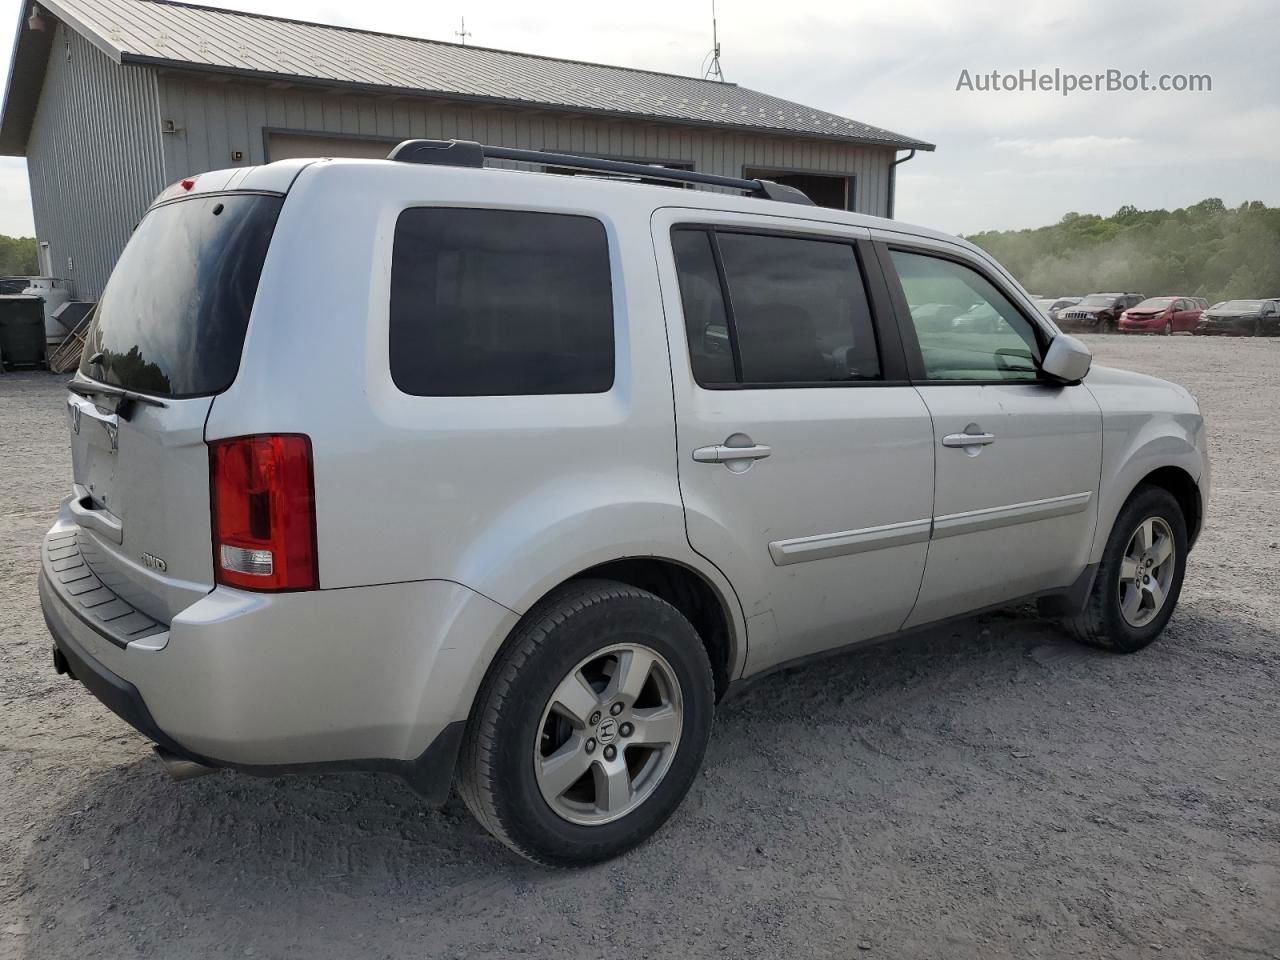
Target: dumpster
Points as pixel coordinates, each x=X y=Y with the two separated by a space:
x=21 y=331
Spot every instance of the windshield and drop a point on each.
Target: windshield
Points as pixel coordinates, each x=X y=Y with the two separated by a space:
x=1155 y=303
x=1240 y=305
x=172 y=319
x=1097 y=300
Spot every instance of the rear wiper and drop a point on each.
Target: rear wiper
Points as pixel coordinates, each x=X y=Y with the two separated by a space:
x=125 y=399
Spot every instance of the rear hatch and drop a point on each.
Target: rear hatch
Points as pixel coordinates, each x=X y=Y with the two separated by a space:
x=166 y=339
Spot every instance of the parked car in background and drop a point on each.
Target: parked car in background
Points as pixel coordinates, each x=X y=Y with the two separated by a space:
x=1243 y=318
x=979 y=318
x=1098 y=312
x=1165 y=315
x=1053 y=306
x=619 y=518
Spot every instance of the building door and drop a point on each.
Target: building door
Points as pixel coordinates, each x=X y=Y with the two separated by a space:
x=825 y=190
x=290 y=146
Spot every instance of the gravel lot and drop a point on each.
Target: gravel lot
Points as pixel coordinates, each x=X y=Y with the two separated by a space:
x=986 y=789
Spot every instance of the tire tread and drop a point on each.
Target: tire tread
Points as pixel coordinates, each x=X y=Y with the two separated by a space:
x=476 y=782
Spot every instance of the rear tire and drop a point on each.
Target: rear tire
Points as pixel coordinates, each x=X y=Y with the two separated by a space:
x=1140 y=577
x=591 y=725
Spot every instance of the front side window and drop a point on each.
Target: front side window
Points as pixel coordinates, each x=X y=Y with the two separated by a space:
x=795 y=312
x=967 y=329
x=500 y=303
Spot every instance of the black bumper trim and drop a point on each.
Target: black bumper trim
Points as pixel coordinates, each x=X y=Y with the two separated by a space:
x=430 y=774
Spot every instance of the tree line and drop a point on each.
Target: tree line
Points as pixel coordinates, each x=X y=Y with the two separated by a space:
x=1205 y=250
x=17 y=256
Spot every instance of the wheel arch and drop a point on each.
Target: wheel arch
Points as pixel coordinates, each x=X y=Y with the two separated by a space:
x=705 y=599
x=1184 y=489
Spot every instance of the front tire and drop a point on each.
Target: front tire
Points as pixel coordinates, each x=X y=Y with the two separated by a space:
x=1140 y=577
x=1168 y=328
x=591 y=725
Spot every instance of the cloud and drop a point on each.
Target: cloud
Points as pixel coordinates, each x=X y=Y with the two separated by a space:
x=1067 y=148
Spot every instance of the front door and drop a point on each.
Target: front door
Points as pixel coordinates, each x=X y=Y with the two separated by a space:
x=1018 y=458
x=805 y=458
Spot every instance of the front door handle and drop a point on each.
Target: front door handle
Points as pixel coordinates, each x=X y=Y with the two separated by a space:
x=720 y=453
x=968 y=439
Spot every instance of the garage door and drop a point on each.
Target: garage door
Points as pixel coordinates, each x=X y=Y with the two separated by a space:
x=287 y=146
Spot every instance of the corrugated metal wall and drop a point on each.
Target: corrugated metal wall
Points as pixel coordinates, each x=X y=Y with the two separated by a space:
x=216 y=119
x=94 y=159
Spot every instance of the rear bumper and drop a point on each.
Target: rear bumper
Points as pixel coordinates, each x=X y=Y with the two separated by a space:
x=369 y=678
x=119 y=695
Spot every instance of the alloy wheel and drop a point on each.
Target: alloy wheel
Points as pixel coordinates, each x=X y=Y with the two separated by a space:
x=608 y=734
x=1146 y=572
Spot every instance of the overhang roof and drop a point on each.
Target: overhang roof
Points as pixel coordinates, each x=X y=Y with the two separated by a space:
x=188 y=37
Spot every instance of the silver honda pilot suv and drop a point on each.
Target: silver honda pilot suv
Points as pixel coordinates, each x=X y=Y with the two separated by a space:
x=502 y=479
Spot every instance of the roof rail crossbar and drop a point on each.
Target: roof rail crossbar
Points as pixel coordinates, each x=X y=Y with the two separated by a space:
x=468 y=153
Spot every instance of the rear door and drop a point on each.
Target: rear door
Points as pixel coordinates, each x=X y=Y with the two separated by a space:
x=169 y=328
x=805 y=458
x=1018 y=458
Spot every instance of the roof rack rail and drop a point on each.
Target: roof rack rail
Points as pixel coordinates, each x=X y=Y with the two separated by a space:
x=468 y=153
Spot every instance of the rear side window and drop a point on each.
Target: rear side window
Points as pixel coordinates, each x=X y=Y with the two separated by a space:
x=500 y=303
x=172 y=319
x=795 y=313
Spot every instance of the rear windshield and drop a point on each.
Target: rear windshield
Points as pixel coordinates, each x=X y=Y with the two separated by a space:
x=172 y=319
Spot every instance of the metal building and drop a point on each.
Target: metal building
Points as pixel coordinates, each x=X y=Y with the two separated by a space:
x=110 y=100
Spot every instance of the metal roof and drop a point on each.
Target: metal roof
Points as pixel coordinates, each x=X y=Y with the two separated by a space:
x=189 y=37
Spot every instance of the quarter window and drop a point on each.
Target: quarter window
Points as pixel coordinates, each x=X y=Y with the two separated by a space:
x=967 y=329
x=795 y=311
x=500 y=303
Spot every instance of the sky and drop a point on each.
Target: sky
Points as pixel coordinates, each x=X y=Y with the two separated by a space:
x=1004 y=160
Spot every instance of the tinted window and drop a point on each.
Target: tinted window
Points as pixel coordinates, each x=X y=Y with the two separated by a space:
x=705 y=323
x=799 y=310
x=500 y=303
x=173 y=316
x=979 y=335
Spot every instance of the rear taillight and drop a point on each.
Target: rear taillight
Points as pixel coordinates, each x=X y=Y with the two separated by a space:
x=264 y=516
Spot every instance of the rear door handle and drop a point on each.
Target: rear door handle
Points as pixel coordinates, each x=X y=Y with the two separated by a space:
x=723 y=454
x=968 y=439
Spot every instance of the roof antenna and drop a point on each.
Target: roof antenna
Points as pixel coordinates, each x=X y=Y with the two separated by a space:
x=712 y=70
x=463 y=33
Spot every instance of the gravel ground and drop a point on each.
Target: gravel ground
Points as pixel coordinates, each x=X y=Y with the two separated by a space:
x=985 y=789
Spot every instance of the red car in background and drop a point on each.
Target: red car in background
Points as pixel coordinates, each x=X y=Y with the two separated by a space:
x=1161 y=315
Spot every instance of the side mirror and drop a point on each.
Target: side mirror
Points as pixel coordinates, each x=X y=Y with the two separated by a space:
x=1067 y=360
